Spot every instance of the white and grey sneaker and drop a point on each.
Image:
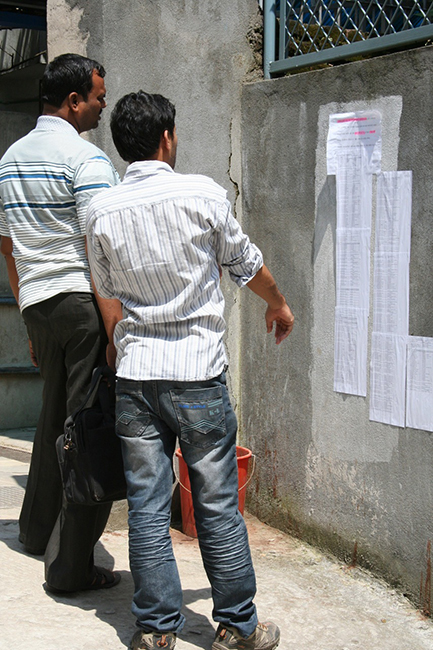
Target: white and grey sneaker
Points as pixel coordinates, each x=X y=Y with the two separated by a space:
x=266 y=636
x=152 y=641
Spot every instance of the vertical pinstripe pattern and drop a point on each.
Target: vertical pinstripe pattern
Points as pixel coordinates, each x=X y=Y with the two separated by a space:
x=46 y=182
x=155 y=242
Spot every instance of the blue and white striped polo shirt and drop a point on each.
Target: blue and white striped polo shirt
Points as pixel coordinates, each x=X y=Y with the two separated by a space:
x=155 y=242
x=46 y=182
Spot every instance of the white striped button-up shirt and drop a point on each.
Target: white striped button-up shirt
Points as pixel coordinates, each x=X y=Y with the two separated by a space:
x=46 y=182
x=155 y=242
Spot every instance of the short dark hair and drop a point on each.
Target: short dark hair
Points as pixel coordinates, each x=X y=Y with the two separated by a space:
x=68 y=73
x=138 y=121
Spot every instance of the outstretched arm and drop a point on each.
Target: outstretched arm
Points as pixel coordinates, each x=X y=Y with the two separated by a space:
x=278 y=311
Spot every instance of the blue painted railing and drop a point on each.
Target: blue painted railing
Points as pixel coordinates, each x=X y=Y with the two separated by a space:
x=299 y=34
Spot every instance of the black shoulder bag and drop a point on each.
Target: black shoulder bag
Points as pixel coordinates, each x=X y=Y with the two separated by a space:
x=89 y=452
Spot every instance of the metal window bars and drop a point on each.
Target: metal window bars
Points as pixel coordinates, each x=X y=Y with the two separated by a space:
x=304 y=33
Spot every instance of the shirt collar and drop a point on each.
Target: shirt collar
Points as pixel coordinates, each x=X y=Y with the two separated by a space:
x=145 y=168
x=52 y=123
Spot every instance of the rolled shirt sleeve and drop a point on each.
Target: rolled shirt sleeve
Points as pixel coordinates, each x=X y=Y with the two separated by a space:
x=234 y=249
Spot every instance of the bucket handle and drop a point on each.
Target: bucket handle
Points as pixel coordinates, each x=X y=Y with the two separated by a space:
x=251 y=474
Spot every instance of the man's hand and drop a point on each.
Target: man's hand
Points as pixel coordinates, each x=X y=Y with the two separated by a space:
x=33 y=355
x=278 y=311
x=283 y=319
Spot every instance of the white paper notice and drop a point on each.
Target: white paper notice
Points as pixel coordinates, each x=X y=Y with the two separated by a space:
x=354 y=207
x=391 y=298
x=355 y=133
x=350 y=351
x=387 y=379
x=419 y=398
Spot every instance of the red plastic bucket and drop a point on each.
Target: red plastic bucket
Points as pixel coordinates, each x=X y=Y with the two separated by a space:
x=188 y=522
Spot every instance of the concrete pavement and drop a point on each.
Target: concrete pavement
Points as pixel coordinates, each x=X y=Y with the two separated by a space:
x=319 y=603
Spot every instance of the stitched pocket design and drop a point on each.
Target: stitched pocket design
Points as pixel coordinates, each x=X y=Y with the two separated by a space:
x=200 y=414
x=132 y=419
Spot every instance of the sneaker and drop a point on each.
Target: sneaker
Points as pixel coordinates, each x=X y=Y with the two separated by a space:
x=266 y=636
x=152 y=641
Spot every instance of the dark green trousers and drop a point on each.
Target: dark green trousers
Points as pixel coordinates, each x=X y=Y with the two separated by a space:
x=68 y=338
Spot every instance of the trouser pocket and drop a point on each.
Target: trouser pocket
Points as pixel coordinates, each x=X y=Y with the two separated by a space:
x=200 y=415
x=132 y=416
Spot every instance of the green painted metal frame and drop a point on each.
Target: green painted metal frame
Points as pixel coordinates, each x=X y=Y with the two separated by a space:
x=376 y=45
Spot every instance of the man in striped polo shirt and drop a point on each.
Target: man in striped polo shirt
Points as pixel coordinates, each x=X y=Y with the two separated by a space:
x=155 y=243
x=46 y=182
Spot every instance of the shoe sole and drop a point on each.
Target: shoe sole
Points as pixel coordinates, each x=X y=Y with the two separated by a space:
x=217 y=646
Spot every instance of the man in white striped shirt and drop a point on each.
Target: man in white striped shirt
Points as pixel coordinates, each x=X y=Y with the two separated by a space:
x=46 y=182
x=155 y=243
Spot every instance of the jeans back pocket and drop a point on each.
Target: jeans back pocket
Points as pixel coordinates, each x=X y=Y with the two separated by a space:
x=132 y=417
x=200 y=414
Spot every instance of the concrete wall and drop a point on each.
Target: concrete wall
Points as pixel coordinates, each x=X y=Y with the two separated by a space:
x=362 y=489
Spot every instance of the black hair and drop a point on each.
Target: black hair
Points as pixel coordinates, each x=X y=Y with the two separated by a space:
x=138 y=121
x=68 y=73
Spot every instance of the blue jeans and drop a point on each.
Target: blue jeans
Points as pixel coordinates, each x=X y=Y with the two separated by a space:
x=150 y=416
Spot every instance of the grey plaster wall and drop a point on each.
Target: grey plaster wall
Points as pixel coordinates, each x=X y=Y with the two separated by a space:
x=362 y=489
x=196 y=54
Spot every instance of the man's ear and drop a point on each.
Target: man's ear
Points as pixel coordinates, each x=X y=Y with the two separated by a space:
x=73 y=101
x=166 y=140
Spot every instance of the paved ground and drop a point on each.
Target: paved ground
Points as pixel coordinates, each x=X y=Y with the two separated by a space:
x=319 y=604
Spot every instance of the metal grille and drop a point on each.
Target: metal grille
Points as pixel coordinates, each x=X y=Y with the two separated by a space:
x=313 y=30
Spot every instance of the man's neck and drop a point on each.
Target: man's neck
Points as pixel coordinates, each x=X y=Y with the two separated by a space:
x=62 y=112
